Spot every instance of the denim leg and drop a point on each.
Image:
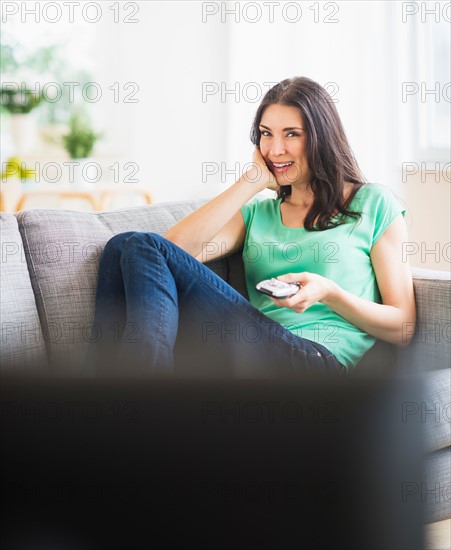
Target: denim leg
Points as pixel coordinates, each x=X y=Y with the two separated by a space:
x=180 y=307
x=110 y=313
x=151 y=303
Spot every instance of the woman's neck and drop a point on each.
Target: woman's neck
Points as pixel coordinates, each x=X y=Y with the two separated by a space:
x=301 y=196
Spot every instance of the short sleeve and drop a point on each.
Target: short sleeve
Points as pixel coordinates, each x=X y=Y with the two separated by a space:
x=387 y=209
x=248 y=210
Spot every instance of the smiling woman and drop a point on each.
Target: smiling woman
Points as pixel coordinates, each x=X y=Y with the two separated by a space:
x=320 y=179
x=353 y=285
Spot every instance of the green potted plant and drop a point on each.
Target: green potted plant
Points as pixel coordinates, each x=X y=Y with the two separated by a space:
x=19 y=104
x=80 y=140
x=79 y=143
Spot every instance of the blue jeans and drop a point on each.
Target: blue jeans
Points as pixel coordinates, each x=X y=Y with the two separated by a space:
x=159 y=310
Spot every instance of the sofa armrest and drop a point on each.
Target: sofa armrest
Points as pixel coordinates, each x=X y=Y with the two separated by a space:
x=430 y=348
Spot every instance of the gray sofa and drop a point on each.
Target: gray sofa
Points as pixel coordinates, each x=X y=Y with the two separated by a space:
x=49 y=262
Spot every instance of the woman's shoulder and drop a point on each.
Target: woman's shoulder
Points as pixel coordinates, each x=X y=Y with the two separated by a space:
x=263 y=204
x=374 y=190
x=372 y=194
x=379 y=203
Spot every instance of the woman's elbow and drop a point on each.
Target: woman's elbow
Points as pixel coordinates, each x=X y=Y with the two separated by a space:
x=407 y=333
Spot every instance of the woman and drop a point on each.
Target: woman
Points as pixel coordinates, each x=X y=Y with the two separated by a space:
x=337 y=236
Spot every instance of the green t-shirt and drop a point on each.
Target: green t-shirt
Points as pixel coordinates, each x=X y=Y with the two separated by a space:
x=341 y=254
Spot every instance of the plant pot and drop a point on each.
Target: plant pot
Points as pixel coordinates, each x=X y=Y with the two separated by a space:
x=23 y=129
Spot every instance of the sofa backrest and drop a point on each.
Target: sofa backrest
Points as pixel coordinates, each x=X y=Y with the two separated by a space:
x=22 y=342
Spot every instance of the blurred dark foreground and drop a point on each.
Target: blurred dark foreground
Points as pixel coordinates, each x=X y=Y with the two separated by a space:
x=218 y=464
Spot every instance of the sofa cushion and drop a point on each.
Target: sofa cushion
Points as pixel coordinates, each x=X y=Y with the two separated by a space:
x=63 y=249
x=22 y=343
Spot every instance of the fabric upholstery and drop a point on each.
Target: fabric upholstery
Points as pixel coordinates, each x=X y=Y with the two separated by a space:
x=22 y=343
x=430 y=348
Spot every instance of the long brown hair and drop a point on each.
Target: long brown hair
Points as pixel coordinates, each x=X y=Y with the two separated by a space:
x=329 y=155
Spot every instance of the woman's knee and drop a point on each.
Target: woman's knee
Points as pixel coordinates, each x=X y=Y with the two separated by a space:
x=135 y=245
x=123 y=245
x=116 y=244
x=137 y=239
x=132 y=246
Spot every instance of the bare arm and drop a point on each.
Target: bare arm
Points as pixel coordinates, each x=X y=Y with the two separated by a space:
x=228 y=240
x=219 y=220
x=394 y=319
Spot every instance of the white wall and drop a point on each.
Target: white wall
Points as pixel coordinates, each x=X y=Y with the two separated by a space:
x=171 y=52
x=170 y=133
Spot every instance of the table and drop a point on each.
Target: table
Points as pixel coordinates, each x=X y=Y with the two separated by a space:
x=14 y=196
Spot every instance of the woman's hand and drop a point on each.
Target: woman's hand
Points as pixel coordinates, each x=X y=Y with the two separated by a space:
x=314 y=288
x=260 y=174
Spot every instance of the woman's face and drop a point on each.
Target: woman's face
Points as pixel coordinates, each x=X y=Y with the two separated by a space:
x=284 y=140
